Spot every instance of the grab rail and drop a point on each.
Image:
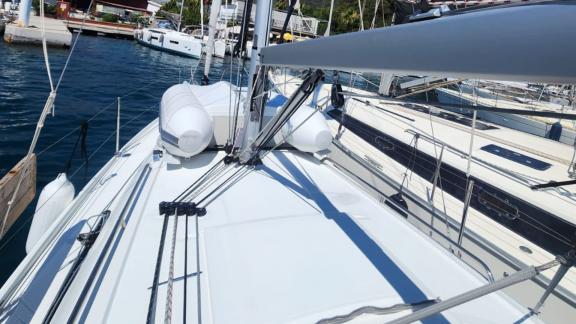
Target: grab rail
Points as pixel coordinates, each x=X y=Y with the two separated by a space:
x=487 y=271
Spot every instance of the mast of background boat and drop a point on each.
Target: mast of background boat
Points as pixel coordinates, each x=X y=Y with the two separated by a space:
x=327 y=32
x=180 y=18
x=252 y=115
x=202 y=19
x=214 y=11
x=24 y=13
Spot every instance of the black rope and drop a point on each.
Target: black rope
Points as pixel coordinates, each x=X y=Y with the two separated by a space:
x=293 y=103
x=197 y=183
x=150 y=318
x=240 y=46
x=222 y=184
x=83 y=152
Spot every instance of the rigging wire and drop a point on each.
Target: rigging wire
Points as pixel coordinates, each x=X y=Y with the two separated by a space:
x=524 y=217
x=238 y=99
x=72 y=48
x=439 y=176
x=36 y=263
x=237 y=176
x=102 y=110
x=48 y=106
x=6 y=241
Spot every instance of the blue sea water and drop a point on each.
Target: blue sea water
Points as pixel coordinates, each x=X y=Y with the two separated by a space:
x=100 y=70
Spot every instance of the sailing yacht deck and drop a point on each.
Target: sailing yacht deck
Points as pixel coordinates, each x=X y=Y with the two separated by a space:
x=401 y=123
x=530 y=124
x=292 y=241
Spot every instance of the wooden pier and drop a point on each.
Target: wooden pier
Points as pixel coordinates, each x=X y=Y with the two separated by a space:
x=101 y=28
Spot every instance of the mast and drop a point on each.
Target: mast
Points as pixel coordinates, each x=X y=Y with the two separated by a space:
x=253 y=110
x=202 y=18
x=214 y=11
x=327 y=32
x=181 y=11
x=24 y=13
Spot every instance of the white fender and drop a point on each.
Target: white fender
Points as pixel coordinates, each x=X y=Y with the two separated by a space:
x=186 y=129
x=53 y=199
x=312 y=136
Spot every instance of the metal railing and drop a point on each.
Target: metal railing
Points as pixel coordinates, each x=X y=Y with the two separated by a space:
x=485 y=270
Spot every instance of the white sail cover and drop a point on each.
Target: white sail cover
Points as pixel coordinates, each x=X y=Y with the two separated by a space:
x=521 y=43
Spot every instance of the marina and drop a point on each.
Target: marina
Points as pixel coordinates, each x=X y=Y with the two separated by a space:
x=252 y=176
x=56 y=33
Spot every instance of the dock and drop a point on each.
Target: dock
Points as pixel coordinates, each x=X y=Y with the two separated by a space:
x=57 y=34
x=101 y=28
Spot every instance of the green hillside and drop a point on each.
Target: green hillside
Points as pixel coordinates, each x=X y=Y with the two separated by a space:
x=346 y=16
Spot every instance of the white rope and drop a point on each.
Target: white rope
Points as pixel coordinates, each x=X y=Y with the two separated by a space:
x=39 y=125
x=168 y=313
x=45 y=46
x=49 y=105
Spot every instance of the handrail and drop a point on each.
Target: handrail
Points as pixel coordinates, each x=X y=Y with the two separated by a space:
x=488 y=272
x=497 y=252
x=464 y=155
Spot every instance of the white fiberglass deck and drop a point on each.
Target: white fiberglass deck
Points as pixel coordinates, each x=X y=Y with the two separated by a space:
x=292 y=241
x=560 y=201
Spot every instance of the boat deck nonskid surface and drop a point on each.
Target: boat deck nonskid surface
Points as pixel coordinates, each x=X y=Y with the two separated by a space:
x=291 y=241
x=398 y=120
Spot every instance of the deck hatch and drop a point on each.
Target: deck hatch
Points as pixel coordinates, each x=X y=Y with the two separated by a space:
x=516 y=157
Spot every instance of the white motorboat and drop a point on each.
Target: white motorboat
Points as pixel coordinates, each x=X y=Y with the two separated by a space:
x=170 y=41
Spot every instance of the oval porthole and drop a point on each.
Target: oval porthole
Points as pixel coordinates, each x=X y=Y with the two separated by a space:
x=525 y=249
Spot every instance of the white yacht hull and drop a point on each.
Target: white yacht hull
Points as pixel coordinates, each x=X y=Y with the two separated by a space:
x=170 y=41
x=521 y=123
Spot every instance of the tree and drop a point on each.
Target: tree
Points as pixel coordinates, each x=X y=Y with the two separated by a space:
x=190 y=14
x=346 y=16
x=49 y=9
